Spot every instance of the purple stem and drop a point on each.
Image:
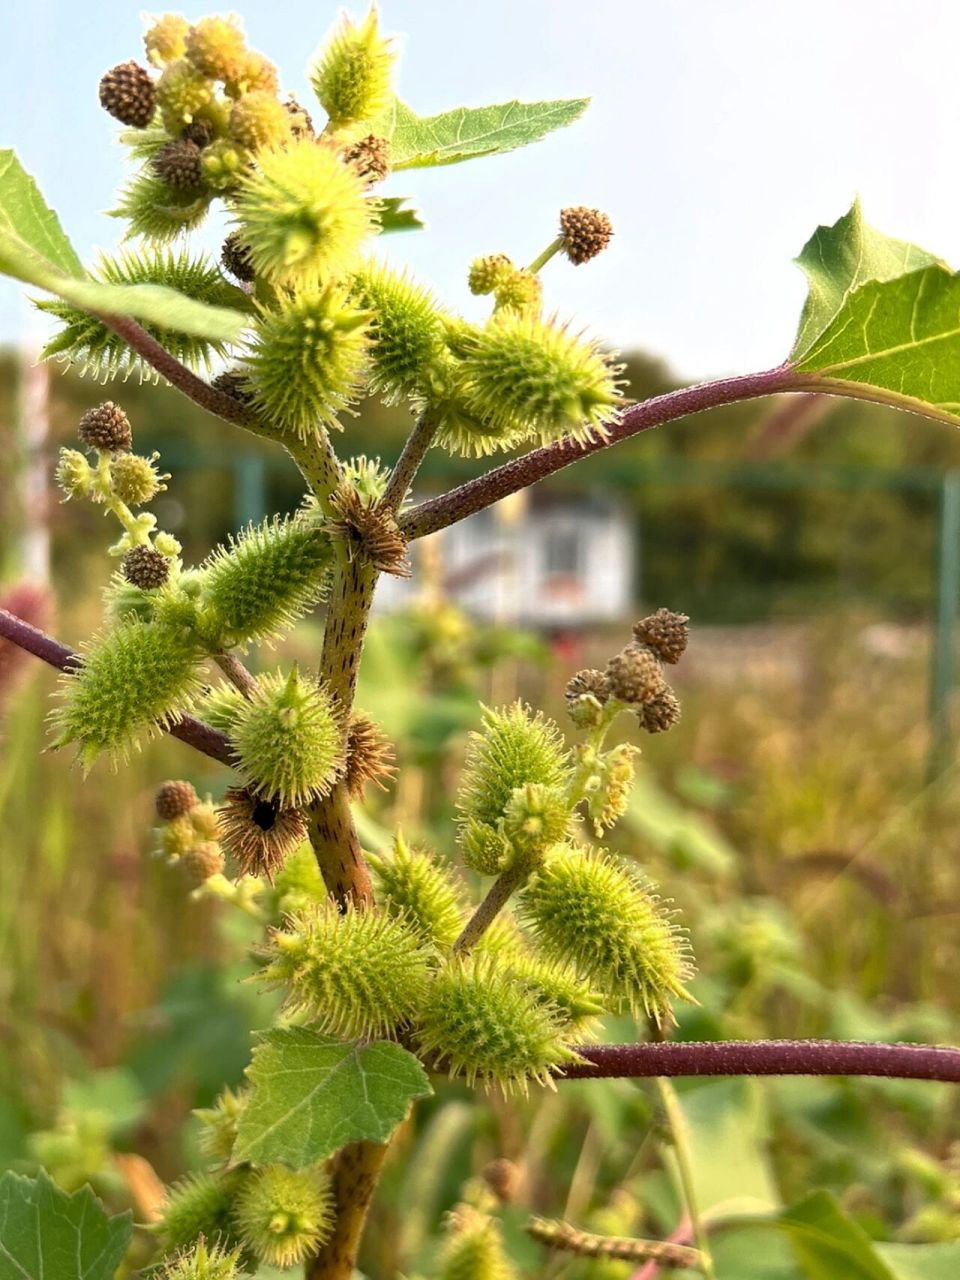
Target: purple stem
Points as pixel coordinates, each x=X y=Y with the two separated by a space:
x=193 y=732
x=767 y=1058
x=519 y=474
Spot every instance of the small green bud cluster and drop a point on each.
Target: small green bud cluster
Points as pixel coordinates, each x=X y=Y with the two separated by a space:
x=188 y=832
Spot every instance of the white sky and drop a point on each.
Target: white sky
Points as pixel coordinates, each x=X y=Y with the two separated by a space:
x=721 y=132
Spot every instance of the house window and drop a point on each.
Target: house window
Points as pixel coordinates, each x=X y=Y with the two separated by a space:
x=563 y=553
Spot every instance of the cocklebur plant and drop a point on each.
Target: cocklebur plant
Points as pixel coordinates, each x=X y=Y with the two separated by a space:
x=388 y=970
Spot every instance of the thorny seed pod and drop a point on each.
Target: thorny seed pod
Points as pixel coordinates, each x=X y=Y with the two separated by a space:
x=406 y=330
x=259 y=120
x=128 y=94
x=216 y=47
x=590 y=910
x=182 y=94
x=284 y=1215
x=474 y=1249
x=586 y=695
x=220 y=1124
x=414 y=888
x=200 y=1205
x=204 y=1262
x=370 y=532
x=483 y=1026
x=352 y=77
x=74 y=474
x=145 y=568
x=586 y=232
x=355 y=973
x=521 y=291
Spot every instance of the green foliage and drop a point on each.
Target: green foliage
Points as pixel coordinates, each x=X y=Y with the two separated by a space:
x=266 y=578
x=515 y=749
x=45 y=1232
x=313 y=1094
x=483 y=1025
x=356 y=974
x=468 y=132
x=840 y=259
x=133 y=680
x=414 y=888
x=307 y=361
x=283 y=1215
x=588 y=909
x=25 y=215
x=287 y=739
x=87 y=342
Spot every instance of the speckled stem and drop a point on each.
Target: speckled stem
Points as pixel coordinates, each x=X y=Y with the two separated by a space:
x=355 y=1173
x=491 y=906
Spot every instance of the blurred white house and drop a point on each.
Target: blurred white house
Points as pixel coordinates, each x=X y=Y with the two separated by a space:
x=549 y=560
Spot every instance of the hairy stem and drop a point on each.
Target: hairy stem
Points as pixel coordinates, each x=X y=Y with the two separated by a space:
x=491 y=906
x=195 y=733
x=556 y=1234
x=355 y=1173
x=522 y=472
x=408 y=464
x=684 y=1158
x=766 y=1058
x=236 y=672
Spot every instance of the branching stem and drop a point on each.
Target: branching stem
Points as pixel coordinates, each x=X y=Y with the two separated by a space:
x=491 y=906
x=195 y=733
x=236 y=672
x=408 y=464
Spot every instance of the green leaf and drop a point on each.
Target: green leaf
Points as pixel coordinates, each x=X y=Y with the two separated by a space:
x=417 y=142
x=25 y=213
x=900 y=338
x=312 y=1094
x=46 y=1233
x=727 y=1133
x=34 y=249
x=838 y=260
x=393 y=217
x=828 y=1244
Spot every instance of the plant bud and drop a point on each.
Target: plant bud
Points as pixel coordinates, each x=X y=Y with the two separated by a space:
x=370 y=156
x=166 y=40
x=259 y=120
x=182 y=94
x=216 y=47
x=235 y=256
x=145 y=568
x=661 y=713
x=201 y=862
x=521 y=291
x=128 y=94
x=635 y=675
x=177 y=163
x=174 y=799
x=665 y=633
x=107 y=428
x=489 y=272
x=135 y=479
x=586 y=232
x=74 y=474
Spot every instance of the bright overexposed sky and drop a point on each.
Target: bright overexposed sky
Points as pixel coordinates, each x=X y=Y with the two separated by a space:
x=720 y=133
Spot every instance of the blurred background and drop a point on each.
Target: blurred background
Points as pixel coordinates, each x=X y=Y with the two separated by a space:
x=803 y=815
